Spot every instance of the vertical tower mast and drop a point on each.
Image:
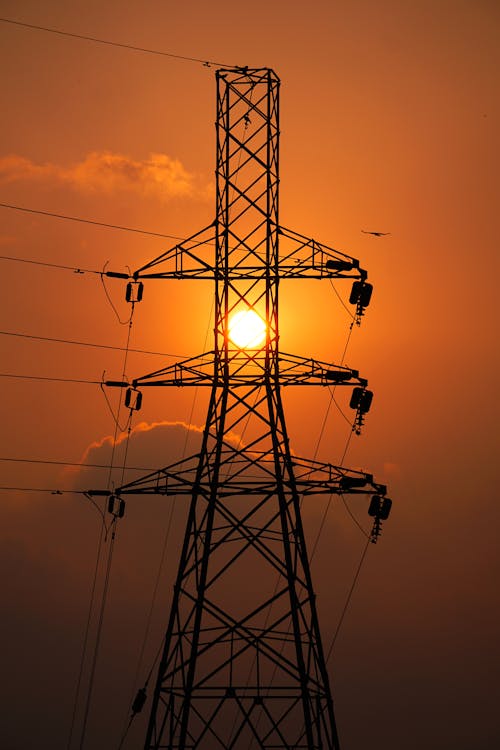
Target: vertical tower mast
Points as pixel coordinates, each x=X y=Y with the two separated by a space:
x=243 y=663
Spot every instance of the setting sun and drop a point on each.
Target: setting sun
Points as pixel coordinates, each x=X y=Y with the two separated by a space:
x=247 y=330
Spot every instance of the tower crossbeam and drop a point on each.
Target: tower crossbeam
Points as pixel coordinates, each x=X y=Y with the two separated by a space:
x=248 y=369
x=300 y=257
x=250 y=473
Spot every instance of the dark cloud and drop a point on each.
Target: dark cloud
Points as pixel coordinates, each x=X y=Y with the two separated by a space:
x=419 y=618
x=48 y=555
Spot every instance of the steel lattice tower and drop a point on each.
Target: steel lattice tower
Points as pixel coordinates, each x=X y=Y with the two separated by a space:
x=243 y=663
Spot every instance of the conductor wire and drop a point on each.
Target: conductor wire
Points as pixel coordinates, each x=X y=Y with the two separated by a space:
x=109 y=561
x=87 y=631
x=51 y=339
x=206 y=63
x=75 y=269
x=98 y=635
x=117 y=419
x=154 y=596
x=122 y=322
x=348 y=599
x=341 y=300
x=53 y=215
x=111 y=411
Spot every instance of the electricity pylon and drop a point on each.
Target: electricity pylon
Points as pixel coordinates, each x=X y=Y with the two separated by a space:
x=243 y=663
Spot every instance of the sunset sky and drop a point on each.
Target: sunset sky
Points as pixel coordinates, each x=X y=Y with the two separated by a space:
x=389 y=122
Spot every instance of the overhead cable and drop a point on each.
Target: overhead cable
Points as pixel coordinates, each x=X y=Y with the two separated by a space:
x=87 y=343
x=347 y=602
x=88 y=221
x=341 y=300
x=127 y=721
x=75 y=269
x=365 y=533
x=86 y=635
x=206 y=63
x=42 y=377
x=67 y=463
x=116 y=417
x=50 y=490
x=111 y=303
x=97 y=644
x=113 y=538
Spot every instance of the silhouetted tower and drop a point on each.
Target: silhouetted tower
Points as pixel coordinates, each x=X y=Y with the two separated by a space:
x=243 y=663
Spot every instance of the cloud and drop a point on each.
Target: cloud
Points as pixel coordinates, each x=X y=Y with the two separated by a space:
x=141 y=427
x=150 y=445
x=159 y=176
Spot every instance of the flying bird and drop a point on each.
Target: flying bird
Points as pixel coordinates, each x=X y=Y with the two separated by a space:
x=375 y=234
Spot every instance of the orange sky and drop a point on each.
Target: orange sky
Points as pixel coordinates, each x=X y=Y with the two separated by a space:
x=389 y=122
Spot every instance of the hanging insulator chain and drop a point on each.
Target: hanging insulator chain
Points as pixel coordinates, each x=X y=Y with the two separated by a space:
x=116 y=506
x=379 y=509
x=133 y=396
x=134 y=291
x=133 y=399
x=361 y=401
x=361 y=294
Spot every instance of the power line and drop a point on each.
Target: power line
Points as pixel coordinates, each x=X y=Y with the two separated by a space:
x=87 y=221
x=116 y=417
x=341 y=300
x=206 y=63
x=41 y=377
x=127 y=722
x=86 y=343
x=67 y=463
x=120 y=227
x=98 y=634
x=348 y=600
x=87 y=632
x=365 y=533
x=51 y=265
x=112 y=304
x=50 y=490
x=113 y=537
x=339 y=409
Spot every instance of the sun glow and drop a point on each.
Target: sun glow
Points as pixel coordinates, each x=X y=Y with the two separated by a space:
x=247 y=330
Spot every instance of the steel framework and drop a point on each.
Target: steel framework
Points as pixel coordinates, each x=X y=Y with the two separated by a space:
x=243 y=663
